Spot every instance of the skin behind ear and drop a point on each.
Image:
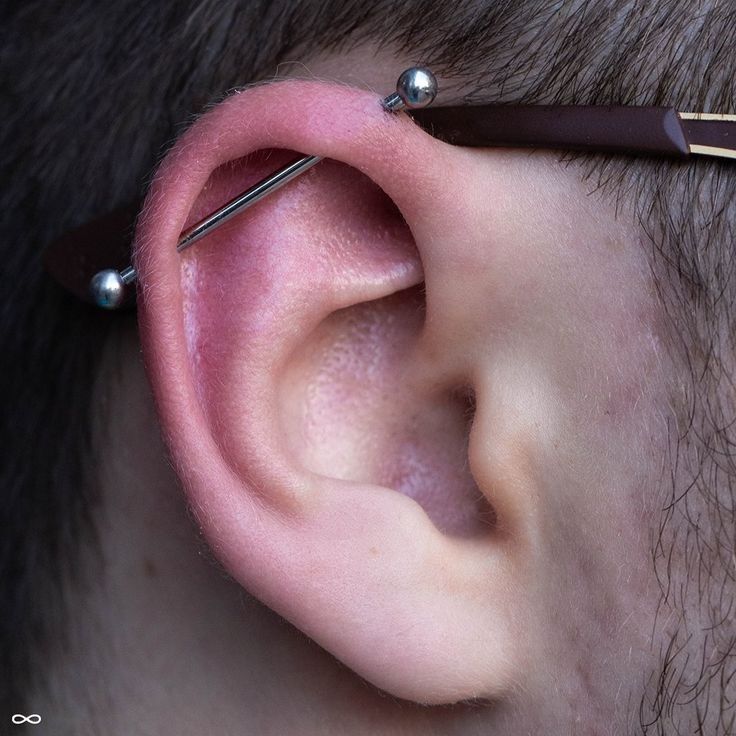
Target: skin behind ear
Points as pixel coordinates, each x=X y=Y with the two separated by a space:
x=418 y=478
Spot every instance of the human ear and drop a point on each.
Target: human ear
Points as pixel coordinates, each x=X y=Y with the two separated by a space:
x=360 y=405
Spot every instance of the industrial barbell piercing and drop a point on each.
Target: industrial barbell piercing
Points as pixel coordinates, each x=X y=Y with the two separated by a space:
x=415 y=88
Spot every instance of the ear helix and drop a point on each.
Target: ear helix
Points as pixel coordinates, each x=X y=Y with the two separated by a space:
x=416 y=88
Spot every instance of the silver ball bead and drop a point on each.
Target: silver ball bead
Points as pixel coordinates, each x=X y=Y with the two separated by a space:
x=107 y=289
x=417 y=87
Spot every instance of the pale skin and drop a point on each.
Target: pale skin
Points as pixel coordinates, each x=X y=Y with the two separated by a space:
x=448 y=492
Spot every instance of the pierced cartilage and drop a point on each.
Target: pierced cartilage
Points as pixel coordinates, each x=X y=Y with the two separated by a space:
x=415 y=88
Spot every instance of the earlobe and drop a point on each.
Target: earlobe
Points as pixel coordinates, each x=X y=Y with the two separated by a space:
x=315 y=407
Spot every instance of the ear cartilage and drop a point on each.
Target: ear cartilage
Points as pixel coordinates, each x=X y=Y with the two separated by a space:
x=415 y=88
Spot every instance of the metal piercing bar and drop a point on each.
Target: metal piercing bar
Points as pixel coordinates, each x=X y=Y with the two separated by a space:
x=415 y=88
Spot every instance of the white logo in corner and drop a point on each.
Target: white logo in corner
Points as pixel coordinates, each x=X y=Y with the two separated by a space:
x=34 y=719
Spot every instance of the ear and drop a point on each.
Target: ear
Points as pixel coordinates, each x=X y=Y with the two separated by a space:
x=316 y=364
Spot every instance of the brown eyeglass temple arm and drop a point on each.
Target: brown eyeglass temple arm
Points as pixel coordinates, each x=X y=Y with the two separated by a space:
x=649 y=131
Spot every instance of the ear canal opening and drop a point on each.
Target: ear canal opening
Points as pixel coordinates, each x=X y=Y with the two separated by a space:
x=359 y=408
